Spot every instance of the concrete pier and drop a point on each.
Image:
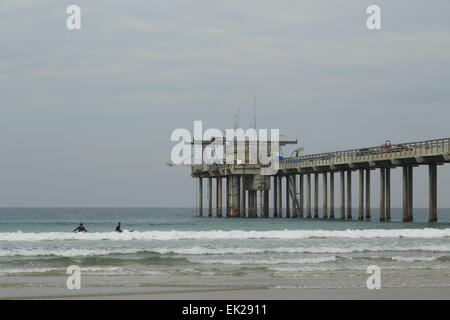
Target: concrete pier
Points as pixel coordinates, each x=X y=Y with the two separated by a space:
x=275 y=197
x=242 y=196
x=210 y=197
x=325 y=195
x=361 y=195
x=247 y=180
x=367 y=194
x=382 y=193
x=280 y=197
x=388 y=194
x=342 y=206
x=331 y=195
x=308 y=196
x=349 y=194
x=316 y=195
x=302 y=191
x=219 y=197
x=200 y=197
x=288 y=203
x=432 y=192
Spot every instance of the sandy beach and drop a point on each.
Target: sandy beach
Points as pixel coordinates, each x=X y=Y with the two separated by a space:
x=163 y=293
x=142 y=288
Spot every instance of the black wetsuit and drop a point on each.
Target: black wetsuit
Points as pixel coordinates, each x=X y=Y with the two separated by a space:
x=80 y=229
x=118 y=228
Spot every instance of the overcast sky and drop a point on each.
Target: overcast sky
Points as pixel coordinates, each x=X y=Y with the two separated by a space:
x=86 y=116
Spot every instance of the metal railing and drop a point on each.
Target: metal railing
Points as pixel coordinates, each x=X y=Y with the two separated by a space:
x=385 y=151
x=393 y=151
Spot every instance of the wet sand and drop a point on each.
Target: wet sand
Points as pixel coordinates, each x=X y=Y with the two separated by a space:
x=229 y=294
x=52 y=288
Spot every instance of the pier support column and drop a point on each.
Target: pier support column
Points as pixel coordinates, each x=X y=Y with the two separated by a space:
x=293 y=186
x=209 y=197
x=410 y=193
x=405 y=194
x=382 y=193
x=227 y=191
x=308 y=196
x=349 y=194
x=200 y=197
x=266 y=203
x=368 y=194
x=342 y=207
x=301 y=191
x=288 y=203
x=275 y=197
x=316 y=195
x=432 y=193
x=331 y=195
x=325 y=195
x=234 y=202
x=261 y=203
x=219 y=197
x=388 y=194
x=252 y=203
x=280 y=197
x=241 y=196
x=361 y=195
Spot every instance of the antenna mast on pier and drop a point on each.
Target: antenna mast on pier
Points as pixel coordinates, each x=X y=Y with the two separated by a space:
x=254 y=110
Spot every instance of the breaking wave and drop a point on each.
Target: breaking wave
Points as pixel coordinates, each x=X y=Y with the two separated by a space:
x=426 y=233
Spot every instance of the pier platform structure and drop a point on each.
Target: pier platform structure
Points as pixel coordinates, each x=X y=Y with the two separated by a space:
x=244 y=181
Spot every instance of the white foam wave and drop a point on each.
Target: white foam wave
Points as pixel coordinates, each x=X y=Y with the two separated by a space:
x=232 y=234
x=267 y=261
x=85 y=252
x=414 y=259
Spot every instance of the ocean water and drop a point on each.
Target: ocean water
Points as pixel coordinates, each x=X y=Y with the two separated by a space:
x=173 y=247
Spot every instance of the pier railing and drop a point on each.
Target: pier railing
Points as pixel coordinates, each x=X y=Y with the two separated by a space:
x=386 y=151
x=376 y=153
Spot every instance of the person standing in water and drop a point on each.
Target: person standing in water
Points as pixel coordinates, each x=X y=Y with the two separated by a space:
x=80 y=228
x=118 y=229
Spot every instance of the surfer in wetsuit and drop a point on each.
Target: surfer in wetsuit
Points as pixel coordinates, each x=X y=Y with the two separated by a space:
x=80 y=228
x=118 y=228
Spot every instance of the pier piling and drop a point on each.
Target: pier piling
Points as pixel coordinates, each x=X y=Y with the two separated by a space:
x=382 y=194
x=342 y=207
x=368 y=194
x=280 y=197
x=388 y=194
x=361 y=195
x=331 y=195
x=219 y=197
x=209 y=197
x=288 y=191
x=301 y=190
x=316 y=195
x=275 y=197
x=200 y=197
x=293 y=186
x=308 y=196
x=432 y=177
x=325 y=195
x=349 y=194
